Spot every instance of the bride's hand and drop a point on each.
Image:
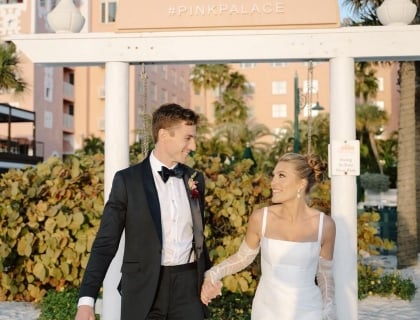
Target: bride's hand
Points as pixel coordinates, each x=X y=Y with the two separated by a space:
x=210 y=291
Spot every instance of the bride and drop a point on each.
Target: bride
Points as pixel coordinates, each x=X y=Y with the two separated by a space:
x=297 y=246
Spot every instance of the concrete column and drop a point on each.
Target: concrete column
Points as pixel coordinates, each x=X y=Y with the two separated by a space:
x=343 y=188
x=116 y=158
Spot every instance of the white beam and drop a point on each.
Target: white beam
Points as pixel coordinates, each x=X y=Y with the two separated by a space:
x=363 y=43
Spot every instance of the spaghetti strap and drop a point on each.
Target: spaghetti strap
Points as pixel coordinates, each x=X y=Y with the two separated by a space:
x=264 y=221
x=321 y=224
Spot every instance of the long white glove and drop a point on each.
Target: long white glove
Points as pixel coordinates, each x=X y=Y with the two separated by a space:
x=325 y=280
x=235 y=263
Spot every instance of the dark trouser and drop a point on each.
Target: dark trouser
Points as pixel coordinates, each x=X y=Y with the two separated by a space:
x=177 y=297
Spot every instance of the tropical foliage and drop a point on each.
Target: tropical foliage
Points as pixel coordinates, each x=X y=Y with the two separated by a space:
x=9 y=69
x=49 y=215
x=233 y=128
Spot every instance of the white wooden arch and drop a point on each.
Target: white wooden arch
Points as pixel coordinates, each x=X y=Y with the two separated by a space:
x=340 y=46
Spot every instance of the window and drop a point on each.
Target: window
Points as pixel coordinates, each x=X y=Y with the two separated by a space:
x=165 y=71
x=380 y=84
x=10 y=1
x=48 y=83
x=153 y=91
x=279 y=87
x=280 y=132
x=250 y=88
x=251 y=111
x=71 y=78
x=279 y=64
x=48 y=119
x=217 y=92
x=108 y=11
x=182 y=82
x=173 y=76
x=380 y=105
x=279 y=111
x=246 y=65
x=164 y=96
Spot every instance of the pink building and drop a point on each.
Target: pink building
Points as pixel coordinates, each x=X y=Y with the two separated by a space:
x=69 y=101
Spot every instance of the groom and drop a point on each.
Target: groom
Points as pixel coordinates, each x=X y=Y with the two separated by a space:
x=159 y=203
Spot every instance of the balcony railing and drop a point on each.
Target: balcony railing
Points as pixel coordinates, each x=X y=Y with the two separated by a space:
x=18 y=152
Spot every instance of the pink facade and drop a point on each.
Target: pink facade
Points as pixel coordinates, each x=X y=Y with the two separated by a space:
x=69 y=102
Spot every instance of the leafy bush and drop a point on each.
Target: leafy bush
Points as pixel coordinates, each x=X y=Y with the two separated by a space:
x=375 y=181
x=232 y=193
x=373 y=281
x=49 y=216
x=231 y=306
x=60 y=305
x=368 y=241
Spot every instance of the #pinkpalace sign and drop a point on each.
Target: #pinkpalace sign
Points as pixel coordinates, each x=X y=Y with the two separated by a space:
x=164 y=15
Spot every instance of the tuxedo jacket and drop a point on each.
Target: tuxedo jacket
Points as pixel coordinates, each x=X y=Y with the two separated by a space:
x=133 y=207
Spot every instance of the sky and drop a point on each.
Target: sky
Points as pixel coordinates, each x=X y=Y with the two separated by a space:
x=344 y=10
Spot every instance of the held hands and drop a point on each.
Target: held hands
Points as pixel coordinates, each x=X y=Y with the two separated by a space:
x=85 y=313
x=210 y=290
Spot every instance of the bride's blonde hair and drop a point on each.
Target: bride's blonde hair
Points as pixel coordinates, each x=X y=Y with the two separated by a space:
x=309 y=167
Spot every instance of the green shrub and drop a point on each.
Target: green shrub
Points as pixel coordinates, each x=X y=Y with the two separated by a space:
x=60 y=305
x=375 y=181
x=373 y=281
x=49 y=215
x=231 y=306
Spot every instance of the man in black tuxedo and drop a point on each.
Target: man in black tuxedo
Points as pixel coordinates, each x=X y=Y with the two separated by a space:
x=159 y=203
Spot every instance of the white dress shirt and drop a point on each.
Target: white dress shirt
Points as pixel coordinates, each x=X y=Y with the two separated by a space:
x=177 y=229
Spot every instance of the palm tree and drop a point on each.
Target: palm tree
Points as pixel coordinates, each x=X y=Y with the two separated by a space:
x=370 y=120
x=233 y=130
x=208 y=77
x=366 y=83
x=408 y=143
x=9 y=72
x=93 y=145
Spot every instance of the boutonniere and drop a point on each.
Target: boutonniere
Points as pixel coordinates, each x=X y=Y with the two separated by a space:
x=192 y=185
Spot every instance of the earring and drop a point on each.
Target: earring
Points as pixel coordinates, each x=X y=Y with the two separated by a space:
x=298 y=194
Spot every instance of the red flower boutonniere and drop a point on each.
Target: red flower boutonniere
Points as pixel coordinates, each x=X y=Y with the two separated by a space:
x=192 y=185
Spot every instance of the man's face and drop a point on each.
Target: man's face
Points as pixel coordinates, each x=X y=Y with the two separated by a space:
x=178 y=142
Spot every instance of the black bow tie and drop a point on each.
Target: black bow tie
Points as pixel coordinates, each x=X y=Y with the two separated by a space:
x=175 y=172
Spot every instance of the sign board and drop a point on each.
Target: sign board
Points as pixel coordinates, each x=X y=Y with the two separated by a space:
x=344 y=158
x=225 y=14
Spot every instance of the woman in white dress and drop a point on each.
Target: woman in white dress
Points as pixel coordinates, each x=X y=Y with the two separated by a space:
x=297 y=246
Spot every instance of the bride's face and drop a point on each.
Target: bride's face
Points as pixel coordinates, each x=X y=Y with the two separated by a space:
x=285 y=183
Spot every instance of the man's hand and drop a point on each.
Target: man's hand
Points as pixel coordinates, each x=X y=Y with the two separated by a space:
x=85 y=313
x=210 y=291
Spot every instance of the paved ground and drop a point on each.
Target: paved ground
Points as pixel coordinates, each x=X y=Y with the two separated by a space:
x=371 y=308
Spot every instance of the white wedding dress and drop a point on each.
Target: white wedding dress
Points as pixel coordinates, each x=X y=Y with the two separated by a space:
x=287 y=289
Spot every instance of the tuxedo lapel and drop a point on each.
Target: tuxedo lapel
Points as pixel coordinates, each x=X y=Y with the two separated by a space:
x=152 y=196
x=196 y=216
